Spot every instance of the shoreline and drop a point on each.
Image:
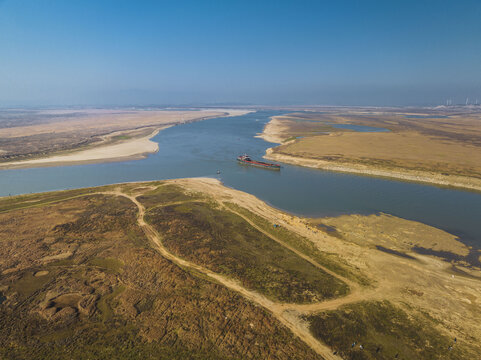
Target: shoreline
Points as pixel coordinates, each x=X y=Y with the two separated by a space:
x=132 y=149
x=374 y=255
x=272 y=133
x=454 y=181
x=272 y=130
x=126 y=150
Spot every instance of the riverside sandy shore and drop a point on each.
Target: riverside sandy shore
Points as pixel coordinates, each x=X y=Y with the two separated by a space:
x=133 y=149
x=405 y=174
x=276 y=131
x=116 y=146
x=399 y=279
x=273 y=130
x=374 y=255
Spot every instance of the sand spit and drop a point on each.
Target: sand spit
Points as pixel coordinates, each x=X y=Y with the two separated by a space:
x=233 y=112
x=405 y=174
x=130 y=145
x=133 y=149
x=273 y=130
x=277 y=131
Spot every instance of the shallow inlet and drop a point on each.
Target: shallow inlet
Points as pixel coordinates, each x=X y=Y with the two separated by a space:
x=203 y=148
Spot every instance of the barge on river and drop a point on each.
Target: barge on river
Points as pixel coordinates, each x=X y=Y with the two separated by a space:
x=246 y=160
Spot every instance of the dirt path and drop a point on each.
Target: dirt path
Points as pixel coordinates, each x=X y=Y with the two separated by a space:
x=357 y=293
x=287 y=313
x=291 y=314
x=353 y=286
x=289 y=321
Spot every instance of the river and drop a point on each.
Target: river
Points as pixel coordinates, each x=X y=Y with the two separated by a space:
x=201 y=148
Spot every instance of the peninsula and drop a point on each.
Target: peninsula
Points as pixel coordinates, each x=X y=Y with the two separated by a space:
x=188 y=268
x=68 y=137
x=439 y=146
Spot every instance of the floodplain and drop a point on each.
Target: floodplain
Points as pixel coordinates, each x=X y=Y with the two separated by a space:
x=190 y=268
x=439 y=146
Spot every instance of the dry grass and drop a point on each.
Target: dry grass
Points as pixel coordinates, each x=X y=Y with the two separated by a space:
x=390 y=231
x=79 y=279
x=227 y=244
x=408 y=150
x=442 y=147
x=114 y=296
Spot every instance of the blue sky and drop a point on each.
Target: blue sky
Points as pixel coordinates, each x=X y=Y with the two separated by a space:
x=262 y=52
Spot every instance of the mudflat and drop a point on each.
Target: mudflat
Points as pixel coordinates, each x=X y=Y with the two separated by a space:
x=188 y=268
x=441 y=146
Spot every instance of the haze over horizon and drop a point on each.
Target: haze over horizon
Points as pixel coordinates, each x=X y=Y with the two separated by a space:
x=270 y=52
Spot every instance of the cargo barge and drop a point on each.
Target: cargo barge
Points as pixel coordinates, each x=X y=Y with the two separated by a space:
x=246 y=160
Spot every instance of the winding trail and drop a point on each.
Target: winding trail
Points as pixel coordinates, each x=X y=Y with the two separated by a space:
x=356 y=293
x=286 y=313
x=289 y=314
x=353 y=286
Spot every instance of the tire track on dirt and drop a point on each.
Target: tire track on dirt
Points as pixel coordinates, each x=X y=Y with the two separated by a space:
x=285 y=313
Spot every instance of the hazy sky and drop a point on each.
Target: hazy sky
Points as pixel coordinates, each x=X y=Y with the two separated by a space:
x=119 y=52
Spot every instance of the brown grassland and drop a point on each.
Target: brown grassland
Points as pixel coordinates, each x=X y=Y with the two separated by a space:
x=189 y=269
x=442 y=146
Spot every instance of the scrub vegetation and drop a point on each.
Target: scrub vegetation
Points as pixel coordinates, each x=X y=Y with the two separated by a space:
x=329 y=260
x=167 y=194
x=189 y=269
x=226 y=243
x=380 y=330
x=79 y=279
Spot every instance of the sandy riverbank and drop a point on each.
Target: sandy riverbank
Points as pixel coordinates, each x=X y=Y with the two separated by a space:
x=118 y=145
x=375 y=255
x=278 y=130
x=444 y=290
x=405 y=174
x=273 y=131
x=132 y=149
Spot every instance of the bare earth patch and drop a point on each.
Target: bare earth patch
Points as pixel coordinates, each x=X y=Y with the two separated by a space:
x=393 y=232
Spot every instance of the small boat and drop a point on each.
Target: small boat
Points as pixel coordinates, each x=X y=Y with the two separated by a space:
x=246 y=160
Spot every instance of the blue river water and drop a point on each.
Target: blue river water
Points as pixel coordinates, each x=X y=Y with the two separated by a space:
x=201 y=148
